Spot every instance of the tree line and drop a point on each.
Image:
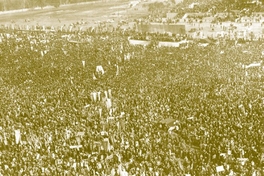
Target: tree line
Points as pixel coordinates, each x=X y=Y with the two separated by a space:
x=21 y=4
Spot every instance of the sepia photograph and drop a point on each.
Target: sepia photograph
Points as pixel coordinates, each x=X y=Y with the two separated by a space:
x=131 y=88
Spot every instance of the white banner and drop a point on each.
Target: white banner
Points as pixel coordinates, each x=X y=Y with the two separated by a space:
x=80 y=134
x=169 y=44
x=94 y=96
x=99 y=96
x=220 y=168
x=108 y=103
x=139 y=42
x=203 y=44
x=253 y=65
x=17 y=136
x=75 y=146
x=242 y=160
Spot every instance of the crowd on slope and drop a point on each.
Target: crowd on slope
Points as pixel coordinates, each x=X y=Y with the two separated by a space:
x=90 y=104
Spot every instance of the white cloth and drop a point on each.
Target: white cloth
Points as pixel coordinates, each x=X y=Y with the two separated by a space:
x=109 y=93
x=94 y=95
x=108 y=103
x=100 y=112
x=99 y=96
x=17 y=136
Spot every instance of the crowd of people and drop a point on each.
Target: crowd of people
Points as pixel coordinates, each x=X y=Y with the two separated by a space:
x=89 y=103
x=168 y=37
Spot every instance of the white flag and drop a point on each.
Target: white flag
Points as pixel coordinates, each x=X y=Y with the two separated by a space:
x=83 y=63
x=17 y=136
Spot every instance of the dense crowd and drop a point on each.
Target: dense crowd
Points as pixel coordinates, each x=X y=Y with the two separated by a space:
x=90 y=104
x=168 y=37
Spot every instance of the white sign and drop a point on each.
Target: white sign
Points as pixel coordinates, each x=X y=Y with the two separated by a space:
x=220 y=168
x=139 y=42
x=75 y=146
